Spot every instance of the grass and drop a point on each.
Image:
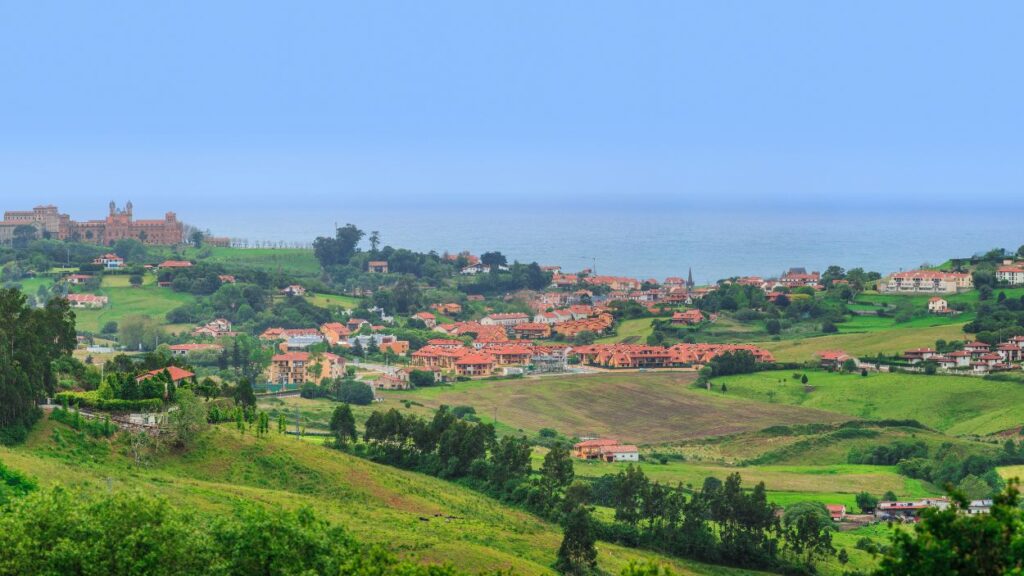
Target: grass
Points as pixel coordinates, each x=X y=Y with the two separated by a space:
x=955 y=405
x=633 y=331
x=289 y=261
x=642 y=408
x=878 y=323
x=378 y=504
x=148 y=300
x=329 y=300
x=863 y=344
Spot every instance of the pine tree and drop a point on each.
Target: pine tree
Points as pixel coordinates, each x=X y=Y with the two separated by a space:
x=343 y=424
x=282 y=424
x=577 y=555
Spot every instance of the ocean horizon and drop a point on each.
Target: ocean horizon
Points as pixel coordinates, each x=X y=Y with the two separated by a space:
x=715 y=244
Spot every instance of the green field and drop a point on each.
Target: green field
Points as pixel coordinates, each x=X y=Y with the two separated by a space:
x=863 y=344
x=955 y=405
x=633 y=331
x=291 y=261
x=330 y=300
x=878 y=323
x=148 y=300
x=377 y=504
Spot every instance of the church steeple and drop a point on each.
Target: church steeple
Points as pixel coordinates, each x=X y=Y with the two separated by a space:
x=689 y=278
x=113 y=208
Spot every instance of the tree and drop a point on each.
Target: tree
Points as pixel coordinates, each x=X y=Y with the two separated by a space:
x=773 y=327
x=23 y=235
x=493 y=259
x=244 y=394
x=135 y=280
x=197 y=238
x=577 y=554
x=828 y=327
x=354 y=392
x=340 y=249
x=510 y=461
x=421 y=378
x=374 y=241
x=186 y=423
x=282 y=424
x=866 y=502
x=343 y=424
x=557 y=470
x=849 y=365
x=803 y=379
x=140 y=332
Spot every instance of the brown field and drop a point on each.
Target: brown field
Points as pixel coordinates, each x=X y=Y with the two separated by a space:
x=646 y=408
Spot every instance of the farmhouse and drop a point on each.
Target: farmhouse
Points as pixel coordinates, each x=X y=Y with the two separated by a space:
x=177 y=374
x=589 y=449
x=293 y=290
x=449 y=308
x=833 y=359
x=215 y=329
x=620 y=453
x=836 y=511
x=174 y=264
x=377 y=266
x=909 y=509
x=86 y=301
x=77 y=279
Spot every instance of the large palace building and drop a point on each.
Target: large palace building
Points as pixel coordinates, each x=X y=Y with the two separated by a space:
x=119 y=224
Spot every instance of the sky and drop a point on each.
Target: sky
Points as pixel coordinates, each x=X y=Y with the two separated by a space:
x=257 y=106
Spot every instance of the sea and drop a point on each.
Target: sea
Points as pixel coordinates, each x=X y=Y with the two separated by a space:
x=658 y=243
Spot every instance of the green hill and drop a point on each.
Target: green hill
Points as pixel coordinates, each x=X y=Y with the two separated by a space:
x=416 y=516
x=955 y=405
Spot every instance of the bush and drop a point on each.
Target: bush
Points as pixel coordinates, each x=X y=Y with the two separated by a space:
x=92 y=400
x=353 y=392
x=109 y=328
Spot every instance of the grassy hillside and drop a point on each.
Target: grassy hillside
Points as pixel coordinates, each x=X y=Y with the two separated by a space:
x=290 y=261
x=148 y=300
x=639 y=407
x=633 y=331
x=864 y=343
x=378 y=504
x=955 y=405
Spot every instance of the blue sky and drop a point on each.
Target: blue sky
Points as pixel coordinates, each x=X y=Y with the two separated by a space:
x=190 y=104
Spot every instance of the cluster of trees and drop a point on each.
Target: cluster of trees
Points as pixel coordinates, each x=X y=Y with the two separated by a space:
x=131 y=533
x=998 y=318
x=956 y=466
x=888 y=455
x=30 y=340
x=347 y=390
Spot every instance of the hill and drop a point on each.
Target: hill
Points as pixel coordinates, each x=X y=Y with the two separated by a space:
x=868 y=343
x=402 y=510
x=955 y=405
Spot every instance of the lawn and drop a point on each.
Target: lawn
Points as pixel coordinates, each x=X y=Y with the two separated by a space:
x=636 y=407
x=148 y=300
x=397 y=509
x=891 y=341
x=879 y=323
x=290 y=261
x=955 y=405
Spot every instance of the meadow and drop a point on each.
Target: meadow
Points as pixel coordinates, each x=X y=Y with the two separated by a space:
x=954 y=405
x=288 y=261
x=415 y=516
x=125 y=300
x=862 y=344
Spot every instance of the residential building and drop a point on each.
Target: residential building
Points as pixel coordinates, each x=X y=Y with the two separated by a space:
x=836 y=511
x=293 y=290
x=428 y=319
x=299 y=368
x=181 y=350
x=591 y=449
x=174 y=264
x=507 y=320
x=335 y=332
x=908 y=510
x=620 y=453
x=77 y=279
x=377 y=266
x=928 y=282
x=938 y=305
x=833 y=359
x=110 y=261
x=475 y=364
x=1011 y=274
x=532 y=330
x=215 y=329
x=688 y=317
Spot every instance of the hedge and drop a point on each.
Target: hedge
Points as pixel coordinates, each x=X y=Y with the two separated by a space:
x=92 y=400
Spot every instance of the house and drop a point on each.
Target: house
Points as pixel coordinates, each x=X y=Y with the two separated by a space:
x=174 y=264
x=833 y=359
x=977 y=348
x=226 y=278
x=77 y=279
x=215 y=329
x=391 y=382
x=1012 y=274
x=927 y=281
x=176 y=374
x=428 y=319
x=377 y=266
x=110 y=261
x=302 y=341
x=908 y=510
x=507 y=320
x=334 y=332
x=620 y=453
x=979 y=507
x=86 y=301
x=356 y=324
x=797 y=277
x=449 y=309
x=1009 y=352
x=474 y=364
x=689 y=317
x=293 y=290
x=531 y=330
x=836 y=511
x=181 y=350
x=938 y=305
x=396 y=347
x=591 y=449
x=919 y=355
x=295 y=368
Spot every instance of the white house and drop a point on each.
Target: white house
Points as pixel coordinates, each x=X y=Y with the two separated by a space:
x=506 y=320
x=620 y=453
x=938 y=305
x=1011 y=274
